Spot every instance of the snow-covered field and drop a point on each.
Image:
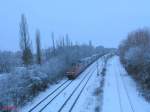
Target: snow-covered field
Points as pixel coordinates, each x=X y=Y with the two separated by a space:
x=120 y=93
x=86 y=102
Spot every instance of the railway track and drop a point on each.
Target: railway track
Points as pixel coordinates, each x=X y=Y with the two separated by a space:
x=77 y=98
x=126 y=90
x=71 y=95
x=48 y=96
x=85 y=76
x=118 y=90
x=59 y=90
x=120 y=82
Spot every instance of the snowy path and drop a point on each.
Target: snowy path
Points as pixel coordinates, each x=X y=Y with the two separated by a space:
x=81 y=89
x=120 y=94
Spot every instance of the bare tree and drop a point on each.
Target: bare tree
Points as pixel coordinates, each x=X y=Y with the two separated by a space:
x=38 y=48
x=25 y=43
x=53 y=42
x=90 y=43
x=68 y=42
x=63 y=42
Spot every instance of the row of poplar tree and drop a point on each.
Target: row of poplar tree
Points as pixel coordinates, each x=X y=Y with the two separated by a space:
x=26 y=43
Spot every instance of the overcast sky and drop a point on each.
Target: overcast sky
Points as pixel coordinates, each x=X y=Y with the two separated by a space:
x=105 y=22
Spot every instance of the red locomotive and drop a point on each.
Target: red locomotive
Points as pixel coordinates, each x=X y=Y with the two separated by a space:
x=80 y=66
x=75 y=70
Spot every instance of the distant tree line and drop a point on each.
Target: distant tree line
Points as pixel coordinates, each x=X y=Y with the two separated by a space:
x=62 y=45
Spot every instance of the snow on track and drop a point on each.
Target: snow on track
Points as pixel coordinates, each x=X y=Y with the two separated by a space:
x=120 y=94
x=74 y=98
x=42 y=96
x=86 y=99
x=59 y=101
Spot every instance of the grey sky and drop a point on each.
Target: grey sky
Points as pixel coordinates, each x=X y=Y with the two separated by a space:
x=105 y=22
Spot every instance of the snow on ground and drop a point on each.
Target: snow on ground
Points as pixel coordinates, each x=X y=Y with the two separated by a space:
x=87 y=101
x=58 y=102
x=3 y=76
x=41 y=96
x=120 y=93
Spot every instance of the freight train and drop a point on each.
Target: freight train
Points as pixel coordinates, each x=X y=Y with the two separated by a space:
x=77 y=68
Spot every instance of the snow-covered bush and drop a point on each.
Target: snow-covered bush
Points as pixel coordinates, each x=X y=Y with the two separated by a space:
x=8 y=61
x=135 y=56
x=21 y=85
x=134 y=61
x=54 y=68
